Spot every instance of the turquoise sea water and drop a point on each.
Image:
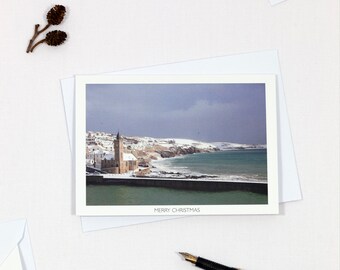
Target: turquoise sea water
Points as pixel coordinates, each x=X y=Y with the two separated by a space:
x=231 y=165
x=238 y=165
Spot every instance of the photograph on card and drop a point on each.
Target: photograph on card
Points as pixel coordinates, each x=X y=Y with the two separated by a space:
x=194 y=141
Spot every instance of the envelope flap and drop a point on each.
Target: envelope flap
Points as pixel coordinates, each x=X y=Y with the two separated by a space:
x=13 y=261
x=11 y=233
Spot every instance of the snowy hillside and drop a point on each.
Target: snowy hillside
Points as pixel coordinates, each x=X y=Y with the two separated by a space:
x=223 y=146
x=148 y=148
x=140 y=143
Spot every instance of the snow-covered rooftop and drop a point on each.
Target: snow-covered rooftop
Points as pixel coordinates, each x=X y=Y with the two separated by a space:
x=126 y=156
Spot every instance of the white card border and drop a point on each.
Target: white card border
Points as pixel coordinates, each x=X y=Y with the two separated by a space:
x=272 y=154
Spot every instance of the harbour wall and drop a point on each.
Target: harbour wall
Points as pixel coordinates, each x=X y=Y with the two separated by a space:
x=201 y=185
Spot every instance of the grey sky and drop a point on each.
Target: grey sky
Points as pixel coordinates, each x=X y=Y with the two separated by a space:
x=206 y=112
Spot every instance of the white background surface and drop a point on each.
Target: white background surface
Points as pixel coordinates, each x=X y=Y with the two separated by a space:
x=35 y=162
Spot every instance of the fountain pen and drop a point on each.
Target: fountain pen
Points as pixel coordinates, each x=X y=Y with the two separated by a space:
x=204 y=263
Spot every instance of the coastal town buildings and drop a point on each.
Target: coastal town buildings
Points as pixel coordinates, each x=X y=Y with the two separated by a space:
x=100 y=140
x=106 y=154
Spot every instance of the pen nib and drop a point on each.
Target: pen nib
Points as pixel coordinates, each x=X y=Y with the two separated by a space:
x=188 y=257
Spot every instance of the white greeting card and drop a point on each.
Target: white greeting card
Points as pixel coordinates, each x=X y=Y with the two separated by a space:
x=192 y=145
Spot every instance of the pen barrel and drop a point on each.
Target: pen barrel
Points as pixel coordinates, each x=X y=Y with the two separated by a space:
x=209 y=265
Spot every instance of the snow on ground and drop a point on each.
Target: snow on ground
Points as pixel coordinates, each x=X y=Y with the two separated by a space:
x=189 y=143
x=141 y=143
x=237 y=146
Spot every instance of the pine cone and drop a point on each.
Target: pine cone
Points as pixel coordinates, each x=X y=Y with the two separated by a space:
x=56 y=14
x=55 y=38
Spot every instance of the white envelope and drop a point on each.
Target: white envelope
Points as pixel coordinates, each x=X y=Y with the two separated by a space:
x=15 y=246
x=264 y=62
x=274 y=2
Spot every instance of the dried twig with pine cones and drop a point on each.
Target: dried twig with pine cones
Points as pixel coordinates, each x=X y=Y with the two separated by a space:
x=54 y=38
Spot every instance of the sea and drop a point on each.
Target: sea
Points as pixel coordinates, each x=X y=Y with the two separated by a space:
x=231 y=165
x=242 y=165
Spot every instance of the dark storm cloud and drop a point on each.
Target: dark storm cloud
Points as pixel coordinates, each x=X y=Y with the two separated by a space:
x=207 y=112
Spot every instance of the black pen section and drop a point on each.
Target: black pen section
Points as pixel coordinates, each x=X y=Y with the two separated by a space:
x=209 y=265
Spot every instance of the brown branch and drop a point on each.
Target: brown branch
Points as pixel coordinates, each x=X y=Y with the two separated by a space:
x=36 y=44
x=35 y=35
x=33 y=38
x=42 y=30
